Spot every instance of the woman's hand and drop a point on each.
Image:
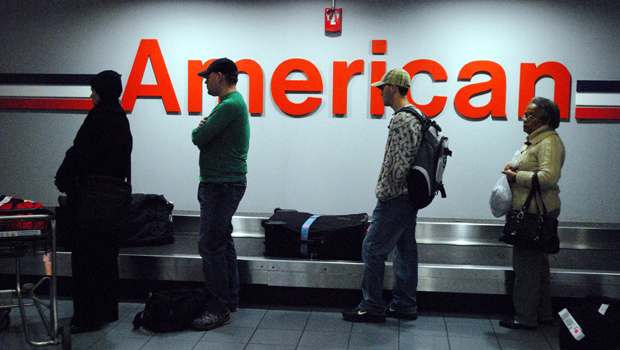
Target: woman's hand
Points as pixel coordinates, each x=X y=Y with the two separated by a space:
x=511 y=173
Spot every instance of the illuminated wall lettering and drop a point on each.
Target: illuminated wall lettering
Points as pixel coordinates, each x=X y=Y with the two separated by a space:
x=280 y=86
x=343 y=72
x=438 y=74
x=342 y=75
x=496 y=86
x=149 y=48
x=530 y=74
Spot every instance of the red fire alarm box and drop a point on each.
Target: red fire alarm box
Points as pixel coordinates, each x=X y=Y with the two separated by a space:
x=333 y=19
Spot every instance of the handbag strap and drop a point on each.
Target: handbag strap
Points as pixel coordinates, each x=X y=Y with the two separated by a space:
x=536 y=187
x=535 y=191
x=530 y=196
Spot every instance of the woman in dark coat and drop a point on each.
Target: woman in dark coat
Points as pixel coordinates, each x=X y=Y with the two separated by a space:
x=102 y=147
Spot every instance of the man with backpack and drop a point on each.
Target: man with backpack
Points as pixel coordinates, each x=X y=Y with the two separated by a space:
x=394 y=218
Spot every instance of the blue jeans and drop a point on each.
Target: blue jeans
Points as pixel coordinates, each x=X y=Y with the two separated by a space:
x=392 y=228
x=218 y=203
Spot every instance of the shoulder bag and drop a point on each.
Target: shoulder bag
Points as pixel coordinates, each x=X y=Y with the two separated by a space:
x=532 y=231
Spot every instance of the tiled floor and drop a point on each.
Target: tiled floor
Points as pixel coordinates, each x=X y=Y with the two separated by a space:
x=301 y=329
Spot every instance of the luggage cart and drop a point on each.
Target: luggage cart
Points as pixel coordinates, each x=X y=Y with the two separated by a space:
x=32 y=232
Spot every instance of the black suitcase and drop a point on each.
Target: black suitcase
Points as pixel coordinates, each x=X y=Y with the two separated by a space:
x=293 y=234
x=597 y=319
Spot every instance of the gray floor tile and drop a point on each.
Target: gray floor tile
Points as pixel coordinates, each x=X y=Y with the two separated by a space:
x=293 y=320
x=478 y=343
x=118 y=343
x=471 y=329
x=374 y=340
x=268 y=347
x=186 y=336
x=434 y=329
x=424 y=342
x=328 y=321
x=220 y=346
x=512 y=344
x=270 y=336
x=247 y=318
x=325 y=339
x=168 y=344
x=430 y=318
x=389 y=327
x=227 y=334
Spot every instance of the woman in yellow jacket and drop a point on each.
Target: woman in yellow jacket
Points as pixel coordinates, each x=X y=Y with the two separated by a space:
x=543 y=154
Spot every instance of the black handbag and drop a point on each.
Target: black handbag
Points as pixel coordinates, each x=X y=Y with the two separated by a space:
x=537 y=232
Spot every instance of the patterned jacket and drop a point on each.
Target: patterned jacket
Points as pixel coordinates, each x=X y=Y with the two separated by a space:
x=402 y=146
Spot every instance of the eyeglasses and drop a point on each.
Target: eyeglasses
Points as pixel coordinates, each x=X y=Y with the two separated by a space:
x=528 y=116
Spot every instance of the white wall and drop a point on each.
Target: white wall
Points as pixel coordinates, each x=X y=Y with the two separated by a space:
x=317 y=163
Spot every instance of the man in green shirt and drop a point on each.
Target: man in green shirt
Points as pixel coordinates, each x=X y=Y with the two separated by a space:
x=223 y=139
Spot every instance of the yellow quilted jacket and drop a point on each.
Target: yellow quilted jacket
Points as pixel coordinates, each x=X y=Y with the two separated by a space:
x=543 y=153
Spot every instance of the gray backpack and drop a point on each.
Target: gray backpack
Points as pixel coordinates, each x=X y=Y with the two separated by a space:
x=425 y=178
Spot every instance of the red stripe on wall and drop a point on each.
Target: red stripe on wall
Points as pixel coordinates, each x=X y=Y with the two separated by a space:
x=597 y=113
x=46 y=103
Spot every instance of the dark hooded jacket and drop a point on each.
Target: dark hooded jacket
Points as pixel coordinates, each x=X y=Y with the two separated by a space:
x=103 y=144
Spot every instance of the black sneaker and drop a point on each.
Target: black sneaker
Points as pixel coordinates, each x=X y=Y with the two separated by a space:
x=360 y=315
x=389 y=312
x=209 y=321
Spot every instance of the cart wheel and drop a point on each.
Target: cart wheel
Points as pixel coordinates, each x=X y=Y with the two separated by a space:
x=5 y=321
x=65 y=332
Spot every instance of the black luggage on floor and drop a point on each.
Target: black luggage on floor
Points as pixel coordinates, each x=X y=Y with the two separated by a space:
x=150 y=221
x=293 y=234
x=596 y=323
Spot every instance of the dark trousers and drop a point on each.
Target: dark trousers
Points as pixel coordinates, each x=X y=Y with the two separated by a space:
x=95 y=284
x=94 y=268
x=218 y=203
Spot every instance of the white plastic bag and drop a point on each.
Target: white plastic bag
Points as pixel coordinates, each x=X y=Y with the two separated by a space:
x=501 y=196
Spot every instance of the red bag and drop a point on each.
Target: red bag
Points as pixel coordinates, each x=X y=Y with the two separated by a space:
x=12 y=203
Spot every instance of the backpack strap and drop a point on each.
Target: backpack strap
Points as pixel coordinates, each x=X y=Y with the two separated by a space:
x=424 y=120
x=137 y=321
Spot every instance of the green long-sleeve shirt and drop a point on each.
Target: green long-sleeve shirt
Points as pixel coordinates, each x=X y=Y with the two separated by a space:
x=224 y=140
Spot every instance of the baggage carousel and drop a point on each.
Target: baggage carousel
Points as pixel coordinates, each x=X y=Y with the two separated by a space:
x=454 y=257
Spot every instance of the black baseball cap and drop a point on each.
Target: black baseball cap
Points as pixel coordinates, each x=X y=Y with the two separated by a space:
x=221 y=65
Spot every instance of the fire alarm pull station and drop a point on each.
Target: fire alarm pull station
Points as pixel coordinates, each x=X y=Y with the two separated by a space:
x=333 y=19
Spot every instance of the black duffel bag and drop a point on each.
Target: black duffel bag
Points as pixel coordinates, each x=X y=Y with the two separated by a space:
x=171 y=311
x=150 y=221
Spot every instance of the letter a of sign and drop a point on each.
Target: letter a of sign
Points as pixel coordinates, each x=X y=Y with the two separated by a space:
x=149 y=48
